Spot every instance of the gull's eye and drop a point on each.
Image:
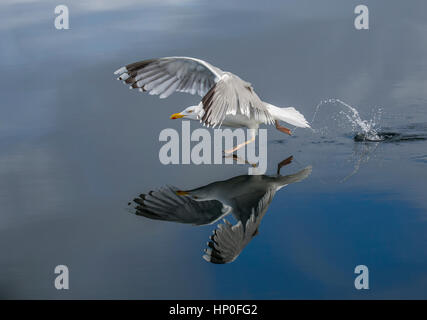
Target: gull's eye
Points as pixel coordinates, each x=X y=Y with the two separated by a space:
x=190 y=111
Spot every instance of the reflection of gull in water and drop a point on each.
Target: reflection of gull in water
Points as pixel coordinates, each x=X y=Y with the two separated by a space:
x=246 y=197
x=227 y=99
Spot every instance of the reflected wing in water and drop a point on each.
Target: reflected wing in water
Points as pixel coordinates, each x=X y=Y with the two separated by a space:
x=164 y=204
x=228 y=241
x=249 y=208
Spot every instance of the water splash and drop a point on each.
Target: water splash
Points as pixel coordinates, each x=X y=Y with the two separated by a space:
x=364 y=130
x=362 y=154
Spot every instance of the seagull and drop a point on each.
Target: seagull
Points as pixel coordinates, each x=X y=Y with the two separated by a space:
x=226 y=99
x=246 y=197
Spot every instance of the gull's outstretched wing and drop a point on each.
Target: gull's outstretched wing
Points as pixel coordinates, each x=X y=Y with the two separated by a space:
x=230 y=96
x=163 y=76
x=164 y=204
x=229 y=240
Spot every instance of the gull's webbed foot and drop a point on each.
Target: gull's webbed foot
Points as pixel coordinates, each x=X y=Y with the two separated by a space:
x=282 y=129
x=284 y=163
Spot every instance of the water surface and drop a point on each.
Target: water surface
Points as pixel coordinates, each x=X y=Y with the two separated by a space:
x=76 y=146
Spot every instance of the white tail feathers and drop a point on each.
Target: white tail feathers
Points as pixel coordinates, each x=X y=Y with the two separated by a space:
x=289 y=115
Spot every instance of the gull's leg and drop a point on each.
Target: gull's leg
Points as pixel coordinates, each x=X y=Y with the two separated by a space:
x=241 y=145
x=281 y=128
x=284 y=163
x=237 y=158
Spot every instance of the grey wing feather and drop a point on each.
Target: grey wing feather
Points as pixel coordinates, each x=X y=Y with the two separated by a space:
x=229 y=240
x=164 y=204
x=231 y=95
x=163 y=76
x=244 y=204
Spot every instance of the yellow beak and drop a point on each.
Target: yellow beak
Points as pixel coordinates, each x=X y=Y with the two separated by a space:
x=182 y=193
x=176 y=116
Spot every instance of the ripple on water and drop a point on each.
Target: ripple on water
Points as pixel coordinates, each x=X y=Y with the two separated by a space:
x=422 y=159
x=389 y=137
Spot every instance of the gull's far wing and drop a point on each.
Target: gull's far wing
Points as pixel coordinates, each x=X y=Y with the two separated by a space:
x=260 y=197
x=164 y=204
x=230 y=96
x=229 y=240
x=163 y=76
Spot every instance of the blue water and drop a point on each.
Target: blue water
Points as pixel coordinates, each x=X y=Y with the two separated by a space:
x=76 y=146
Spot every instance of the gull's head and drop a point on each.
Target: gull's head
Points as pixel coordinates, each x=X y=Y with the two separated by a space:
x=188 y=113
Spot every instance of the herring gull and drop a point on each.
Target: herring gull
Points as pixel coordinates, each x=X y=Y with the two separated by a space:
x=227 y=99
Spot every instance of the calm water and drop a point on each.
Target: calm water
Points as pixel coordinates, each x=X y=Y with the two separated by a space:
x=76 y=146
